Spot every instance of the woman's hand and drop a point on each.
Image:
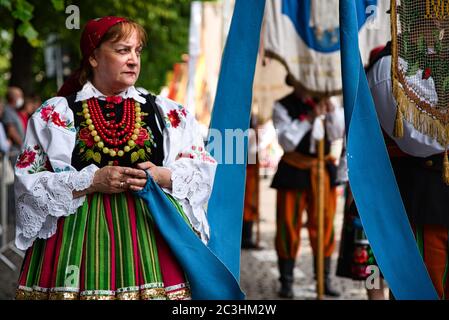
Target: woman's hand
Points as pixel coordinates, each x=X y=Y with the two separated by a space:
x=136 y=179
x=112 y=179
x=106 y=180
x=161 y=175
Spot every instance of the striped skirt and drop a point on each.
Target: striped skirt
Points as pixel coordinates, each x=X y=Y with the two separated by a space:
x=109 y=249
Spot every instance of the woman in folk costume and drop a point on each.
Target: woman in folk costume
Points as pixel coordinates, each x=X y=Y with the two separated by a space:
x=87 y=235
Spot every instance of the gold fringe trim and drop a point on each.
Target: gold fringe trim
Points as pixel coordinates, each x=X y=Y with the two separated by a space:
x=98 y=297
x=421 y=121
x=145 y=294
x=398 y=131
x=446 y=168
x=31 y=295
x=135 y=295
x=23 y=294
x=182 y=294
x=153 y=293
x=406 y=109
x=63 y=296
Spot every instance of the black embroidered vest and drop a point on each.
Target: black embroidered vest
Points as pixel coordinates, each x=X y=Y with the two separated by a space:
x=148 y=146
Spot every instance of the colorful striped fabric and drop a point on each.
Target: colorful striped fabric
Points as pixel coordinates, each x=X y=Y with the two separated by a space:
x=290 y=206
x=109 y=249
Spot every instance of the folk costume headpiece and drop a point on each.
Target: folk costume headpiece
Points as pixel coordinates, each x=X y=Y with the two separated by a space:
x=420 y=68
x=90 y=39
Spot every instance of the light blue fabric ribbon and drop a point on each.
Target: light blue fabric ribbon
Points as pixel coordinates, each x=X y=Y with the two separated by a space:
x=372 y=179
x=232 y=110
x=209 y=278
x=213 y=271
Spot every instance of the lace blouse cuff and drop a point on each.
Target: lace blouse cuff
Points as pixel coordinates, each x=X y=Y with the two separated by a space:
x=50 y=198
x=189 y=183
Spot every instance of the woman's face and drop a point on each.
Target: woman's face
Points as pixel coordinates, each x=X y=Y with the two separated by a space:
x=116 y=65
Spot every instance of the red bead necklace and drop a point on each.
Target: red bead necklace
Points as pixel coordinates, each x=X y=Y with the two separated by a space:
x=114 y=134
x=108 y=129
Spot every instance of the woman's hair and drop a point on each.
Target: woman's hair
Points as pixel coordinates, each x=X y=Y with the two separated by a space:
x=120 y=31
x=289 y=80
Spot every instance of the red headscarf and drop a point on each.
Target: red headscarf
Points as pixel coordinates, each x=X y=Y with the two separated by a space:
x=90 y=39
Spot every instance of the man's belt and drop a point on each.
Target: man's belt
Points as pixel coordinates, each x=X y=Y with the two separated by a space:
x=437 y=162
x=303 y=161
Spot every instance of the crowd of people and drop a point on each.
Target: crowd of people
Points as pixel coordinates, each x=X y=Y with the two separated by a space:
x=15 y=110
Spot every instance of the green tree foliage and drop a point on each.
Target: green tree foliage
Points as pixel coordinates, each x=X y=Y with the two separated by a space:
x=5 y=56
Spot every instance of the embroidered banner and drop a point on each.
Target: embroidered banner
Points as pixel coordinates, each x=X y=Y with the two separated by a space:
x=420 y=66
x=305 y=37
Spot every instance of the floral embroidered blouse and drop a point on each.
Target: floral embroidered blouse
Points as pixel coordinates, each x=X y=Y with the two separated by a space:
x=60 y=157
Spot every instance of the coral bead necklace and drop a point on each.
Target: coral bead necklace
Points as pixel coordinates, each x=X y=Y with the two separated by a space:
x=111 y=133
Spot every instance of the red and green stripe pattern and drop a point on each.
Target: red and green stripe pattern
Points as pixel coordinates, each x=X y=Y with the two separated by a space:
x=109 y=249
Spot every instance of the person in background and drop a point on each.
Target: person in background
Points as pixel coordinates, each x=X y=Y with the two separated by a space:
x=251 y=204
x=5 y=144
x=298 y=120
x=26 y=111
x=11 y=120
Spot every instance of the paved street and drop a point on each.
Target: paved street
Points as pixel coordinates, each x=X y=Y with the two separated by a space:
x=259 y=273
x=259 y=268
x=8 y=277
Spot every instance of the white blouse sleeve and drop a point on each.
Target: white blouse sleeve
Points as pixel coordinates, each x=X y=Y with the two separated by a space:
x=192 y=167
x=44 y=176
x=290 y=132
x=413 y=142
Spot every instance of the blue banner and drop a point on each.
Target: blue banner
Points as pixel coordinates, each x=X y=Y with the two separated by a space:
x=232 y=110
x=213 y=271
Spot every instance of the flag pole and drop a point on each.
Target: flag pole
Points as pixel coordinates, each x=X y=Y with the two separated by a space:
x=257 y=181
x=320 y=217
x=257 y=199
